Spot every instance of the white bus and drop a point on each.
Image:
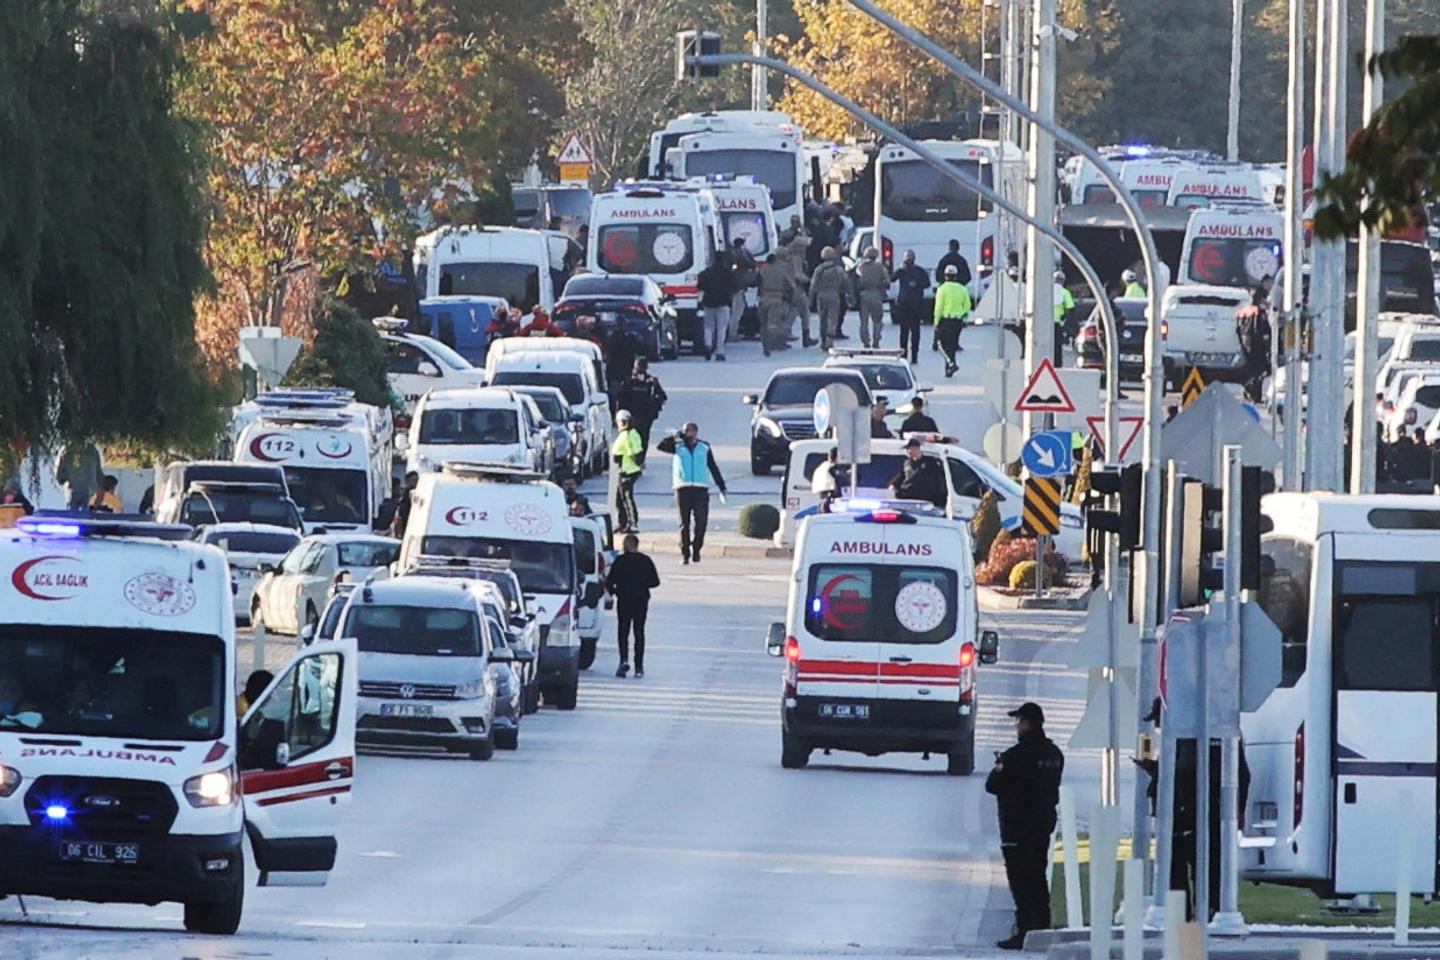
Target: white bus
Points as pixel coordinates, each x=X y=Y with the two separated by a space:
x=919 y=208
x=771 y=156
x=1353 y=584
x=664 y=140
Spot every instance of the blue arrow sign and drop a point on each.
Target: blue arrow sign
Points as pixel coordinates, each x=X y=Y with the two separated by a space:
x=1048 y=454
x=822 y=412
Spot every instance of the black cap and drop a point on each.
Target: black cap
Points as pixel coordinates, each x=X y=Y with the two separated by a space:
x=912 y=442
x=1029 y=711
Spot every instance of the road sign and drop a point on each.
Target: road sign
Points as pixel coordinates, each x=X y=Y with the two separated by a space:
x=1192 y=388
x=1042 y=507
x=574 y=151
x=1045 y=393
x=821 y=412
x=1048 y=454
x=269 y=352
x=1127 y=432
x=1197 y=437
x=1002 y=443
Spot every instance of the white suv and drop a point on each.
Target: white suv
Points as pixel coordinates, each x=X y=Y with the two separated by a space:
x=474 y=425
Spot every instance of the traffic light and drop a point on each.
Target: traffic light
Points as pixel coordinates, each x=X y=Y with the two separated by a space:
x=1202 y=538
x=1124 y=521
x=685 y=47
x=1254 y=484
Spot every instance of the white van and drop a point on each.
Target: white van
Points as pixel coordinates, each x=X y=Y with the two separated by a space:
x=881 y=637
x=484 y=425
x=125 y=774
x=494 y=512
x=525 y=267
x=1232 y=246
x=970 y=476
x=509 y=346
x=1205 y=185
x=667 y=231
x=747 y=214
x=336 y=456
x=574 y=374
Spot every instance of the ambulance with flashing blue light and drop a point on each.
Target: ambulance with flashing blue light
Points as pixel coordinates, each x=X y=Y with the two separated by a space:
x=126 y=774
x=882 y=638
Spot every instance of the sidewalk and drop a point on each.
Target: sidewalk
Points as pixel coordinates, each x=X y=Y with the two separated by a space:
x=1340 y=944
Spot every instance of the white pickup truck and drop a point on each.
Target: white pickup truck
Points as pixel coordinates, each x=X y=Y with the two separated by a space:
x=1198 y=324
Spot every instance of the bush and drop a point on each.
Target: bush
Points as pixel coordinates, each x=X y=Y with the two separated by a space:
x=985 y=525
x=1008 y=553
x=759 y=521
x=1022 y=576
x=1082 y=477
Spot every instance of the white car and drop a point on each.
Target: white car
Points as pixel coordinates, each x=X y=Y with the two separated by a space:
x=1415 y=405
x=484 y=425
x=252 y=550
x=887 y=373
x=292 y=595
x=575 y=375
x=415 y=365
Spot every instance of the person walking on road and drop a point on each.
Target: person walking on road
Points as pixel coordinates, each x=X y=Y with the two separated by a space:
x=777 y=291
x=1026 y=785
x=919 y=421
x=692 y=473
x=621 y=350
x=952 y=309
x=1134 y=290
x=643 y=396
x=909 y=304
x=717 y=294
x=77 y=469
x=827 y=295
x=953 y=258
x=798 y=249
x=631 y=578
x=745 y=278
x=874 y=282
x=626 y=452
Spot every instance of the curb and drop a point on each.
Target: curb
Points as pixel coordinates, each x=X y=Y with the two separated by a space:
x=991 y=599
x=738 y=551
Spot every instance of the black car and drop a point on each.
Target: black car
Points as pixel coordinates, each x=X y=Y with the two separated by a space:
x=1130 y=319
x=635 y=300
x=786 y=411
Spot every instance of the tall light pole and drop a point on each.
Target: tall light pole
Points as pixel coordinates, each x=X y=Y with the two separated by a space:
x=1237 y=24
x=759 y=76
x=1294 y=243
x=1040 y=202
x=1367 y=299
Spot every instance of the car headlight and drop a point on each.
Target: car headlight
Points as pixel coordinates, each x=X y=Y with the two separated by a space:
x=770 y=427
x=471 y=690
x=10 y=780
x=213 y=789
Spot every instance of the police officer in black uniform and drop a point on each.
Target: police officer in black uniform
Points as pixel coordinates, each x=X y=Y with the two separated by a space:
x=1026 y=785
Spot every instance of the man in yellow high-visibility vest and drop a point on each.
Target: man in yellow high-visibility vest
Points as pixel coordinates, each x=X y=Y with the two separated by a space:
x=625 y=453
x=952 y=309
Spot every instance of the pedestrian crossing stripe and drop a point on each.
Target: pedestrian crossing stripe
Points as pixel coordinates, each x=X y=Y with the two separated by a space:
x=1042 y=506
x=1192 y=388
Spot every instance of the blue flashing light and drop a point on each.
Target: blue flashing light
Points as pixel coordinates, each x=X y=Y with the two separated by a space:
x=816 y=605
x=1138 y=150
x=56 y=811
x=49 y=528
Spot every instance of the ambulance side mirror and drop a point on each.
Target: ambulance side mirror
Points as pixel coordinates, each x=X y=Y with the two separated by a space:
x=775 y=639
x=989 y=646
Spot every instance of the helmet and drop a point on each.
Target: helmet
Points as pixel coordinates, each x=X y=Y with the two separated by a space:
x=1059 y=276
x=622 y=415
x=1128 y=276
x=871 y=253
x=828 y=253
x=951 y=270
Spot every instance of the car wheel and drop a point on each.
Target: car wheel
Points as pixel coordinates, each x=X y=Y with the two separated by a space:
x=794 y=753
x=483 y=750
x=507 y=739
x=587 y=652
x=220 y=917
x=759 y=466
x=961 y=761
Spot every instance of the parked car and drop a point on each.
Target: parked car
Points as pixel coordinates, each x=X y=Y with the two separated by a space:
x=637 y=301
x=785 y=411
x=292 y=595
x=1130 y=321
x=566 y=428
x=252 y=550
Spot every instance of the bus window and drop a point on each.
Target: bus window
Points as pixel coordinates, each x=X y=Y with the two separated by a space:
x=1285 y=597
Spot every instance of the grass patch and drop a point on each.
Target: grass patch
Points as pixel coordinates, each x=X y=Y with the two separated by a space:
x=1262 y=903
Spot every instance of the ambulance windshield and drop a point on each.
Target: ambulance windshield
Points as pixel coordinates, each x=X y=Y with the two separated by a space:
x=893 y=603
x=104 y=682
x=330 y=496
x=651 y=248
x=540 y=567
x=1233 y=261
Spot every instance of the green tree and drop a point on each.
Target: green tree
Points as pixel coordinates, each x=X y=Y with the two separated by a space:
x=346 y=352
x=100 y=231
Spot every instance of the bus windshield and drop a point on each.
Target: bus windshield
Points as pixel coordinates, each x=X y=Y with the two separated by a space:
x=774 y=168
x=912 y=190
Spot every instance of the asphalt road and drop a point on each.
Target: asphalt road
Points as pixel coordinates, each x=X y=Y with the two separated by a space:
x=655 y=818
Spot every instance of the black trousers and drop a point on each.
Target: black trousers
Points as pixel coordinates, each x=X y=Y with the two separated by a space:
x=644 y=430
x=631 y=614
x=627 y=514
x=1027 y=868
x=908 y=316
x=694 y=503
x=947 y=331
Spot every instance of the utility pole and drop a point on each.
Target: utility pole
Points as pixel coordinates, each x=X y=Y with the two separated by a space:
x=1039 y=256
x=759 y=76
x=1294 y=243
x=1319 y=474
x=1228 y=920
x=1367 y=300
x=1237 y=24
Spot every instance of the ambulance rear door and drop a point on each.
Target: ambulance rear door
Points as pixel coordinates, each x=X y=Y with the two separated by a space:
x=838 y=656
x=923 y=622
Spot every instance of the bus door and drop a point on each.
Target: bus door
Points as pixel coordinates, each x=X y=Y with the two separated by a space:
x=1386 y=627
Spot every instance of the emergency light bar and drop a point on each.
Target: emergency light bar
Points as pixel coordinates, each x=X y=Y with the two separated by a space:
x=75 y=525
x=864 y=352
x=489 y=471
x=929 y=437
x=317 y=418
x=877 y=510
x=432 y=561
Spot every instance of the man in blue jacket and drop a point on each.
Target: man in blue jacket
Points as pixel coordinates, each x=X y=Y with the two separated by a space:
x=692 y=473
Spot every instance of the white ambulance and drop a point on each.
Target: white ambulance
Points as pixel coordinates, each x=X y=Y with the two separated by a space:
x=125 y=774
x=498 y=512
x=336 y=454
x=667 y=231
x=746 y=214
x=881 y=637
x=1205 y=185
x=1232 y=246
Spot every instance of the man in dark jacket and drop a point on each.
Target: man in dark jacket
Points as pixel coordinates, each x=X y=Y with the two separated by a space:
x=621 y=352
x=631 y=578
x=910 y=304
x=717 y=293
x=1026 y=785
x=962 y=269
x=921 y=478
x=879 y=430
x=919 y=421
x=643 y=396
